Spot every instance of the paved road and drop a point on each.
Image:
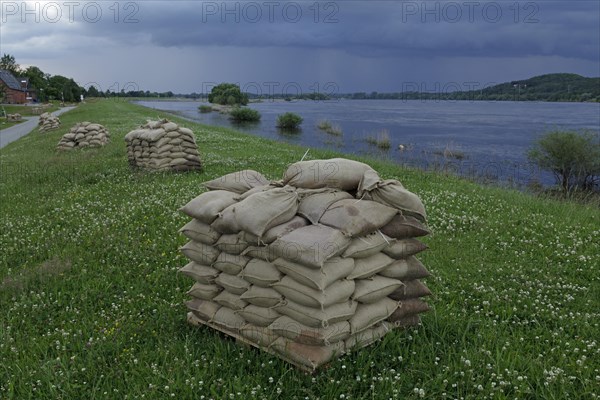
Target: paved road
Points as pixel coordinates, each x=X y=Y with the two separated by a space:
x=13 y=133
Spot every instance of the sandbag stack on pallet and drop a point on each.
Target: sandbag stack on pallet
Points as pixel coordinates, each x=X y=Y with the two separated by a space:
x=163 y=146
x=309 y=267
x=48 y=122
x=84 y=134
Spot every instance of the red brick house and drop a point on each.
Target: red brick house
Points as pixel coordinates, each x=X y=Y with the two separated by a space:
x=11 y=90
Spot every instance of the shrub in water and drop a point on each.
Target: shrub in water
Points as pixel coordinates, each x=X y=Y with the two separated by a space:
x=244 y=115
x=289 y=121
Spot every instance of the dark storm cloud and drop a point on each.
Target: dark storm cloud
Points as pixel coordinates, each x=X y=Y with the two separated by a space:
x=373 y=29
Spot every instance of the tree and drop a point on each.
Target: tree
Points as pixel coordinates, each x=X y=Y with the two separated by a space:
x=38 y=80
x=573 y=158
x=8 y=63
x=227 y=94
x=93 y=92
x=289 y=121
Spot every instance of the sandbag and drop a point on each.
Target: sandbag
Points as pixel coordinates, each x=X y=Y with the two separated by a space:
x=228 y=319
x=315 y=317
x=257 y=335
x=404 y=248
x=403 y=227
x=277 y=231
x=333 y=270
x=311 y=245
x=390 y=192
x=226 y=222
x=231 y=243
x=264 y=210
x=294 y=330
x=368 y=315
x=261 y=273
x=262 y=296
x=232 y=283
x=369 y=266
x=408 y=308
x=229 y=300
x=208 y=205
x=313 y=206
x=230 y=263
x=200 y=232
x=357 y=217
x=365 y=246
x=309 y=356
x=203 y=309
x=200 y=252
x=411 y=289
x=368 y=336
x=337 y=292
x=200 y=273
x=407 y=269
x=264 y=253
x=259 y=316
x=374 y=289
x=204 y=292
x=338 y=173
x=238 y=182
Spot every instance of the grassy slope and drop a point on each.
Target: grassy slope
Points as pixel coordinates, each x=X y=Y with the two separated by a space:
x=92 y=305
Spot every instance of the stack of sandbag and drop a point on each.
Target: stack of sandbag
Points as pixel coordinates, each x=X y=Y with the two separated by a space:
x=309 y=267
x=84 y=134
x=48 y=122
x=163 y=146
x=16 y=117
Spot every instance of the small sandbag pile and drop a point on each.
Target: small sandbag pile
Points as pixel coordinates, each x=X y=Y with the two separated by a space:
x=84 y=134
x=309 y=267
x=48 y=122
x=163 y=146
x=16 y=117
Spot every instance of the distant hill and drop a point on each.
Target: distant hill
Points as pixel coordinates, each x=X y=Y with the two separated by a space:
x=550 y=87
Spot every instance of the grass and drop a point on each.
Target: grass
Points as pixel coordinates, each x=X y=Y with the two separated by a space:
x=329 y=128
x=92 y=306
x=26 y=110
x=381 y=139
x=205 y=108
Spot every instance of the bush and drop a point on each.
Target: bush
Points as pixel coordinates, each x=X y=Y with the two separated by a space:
x=227 y=94
x=244 y=114
x=205 y=109
x=289 y=121
x=573 y=158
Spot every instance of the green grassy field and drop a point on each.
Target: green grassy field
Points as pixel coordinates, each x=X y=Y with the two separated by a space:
x=92 y=306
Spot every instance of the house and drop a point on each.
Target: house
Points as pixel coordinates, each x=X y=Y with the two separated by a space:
x=12 y=92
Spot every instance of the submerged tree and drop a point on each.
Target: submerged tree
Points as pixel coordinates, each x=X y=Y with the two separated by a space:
x=227 y=94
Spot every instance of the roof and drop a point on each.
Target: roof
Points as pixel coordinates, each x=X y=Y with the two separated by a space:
x=9 y=80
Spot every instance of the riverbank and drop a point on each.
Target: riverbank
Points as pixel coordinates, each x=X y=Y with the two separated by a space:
x=88 y=282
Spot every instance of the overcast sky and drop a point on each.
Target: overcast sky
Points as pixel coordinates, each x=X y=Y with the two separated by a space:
x=287 y=46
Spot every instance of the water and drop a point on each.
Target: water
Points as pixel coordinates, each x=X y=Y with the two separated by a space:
x=484 y=140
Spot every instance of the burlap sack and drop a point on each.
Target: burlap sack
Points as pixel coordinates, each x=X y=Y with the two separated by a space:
x=238 y=182
x=315 y=317
x=337 y=292
x=200 y=232
x=366 y=246
x=259 y=316
x=404 y=248
x=265 y=210
x=404 y=227
x=407 y=269
x=313 y=206
x=375 y=288
x=262 y=296
x=311 y=245
x=369 y=266
x=338 y=173
x=319 y=279
x=294 y=330
x=208 y=205
x=200 y=273
x=357 y=217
